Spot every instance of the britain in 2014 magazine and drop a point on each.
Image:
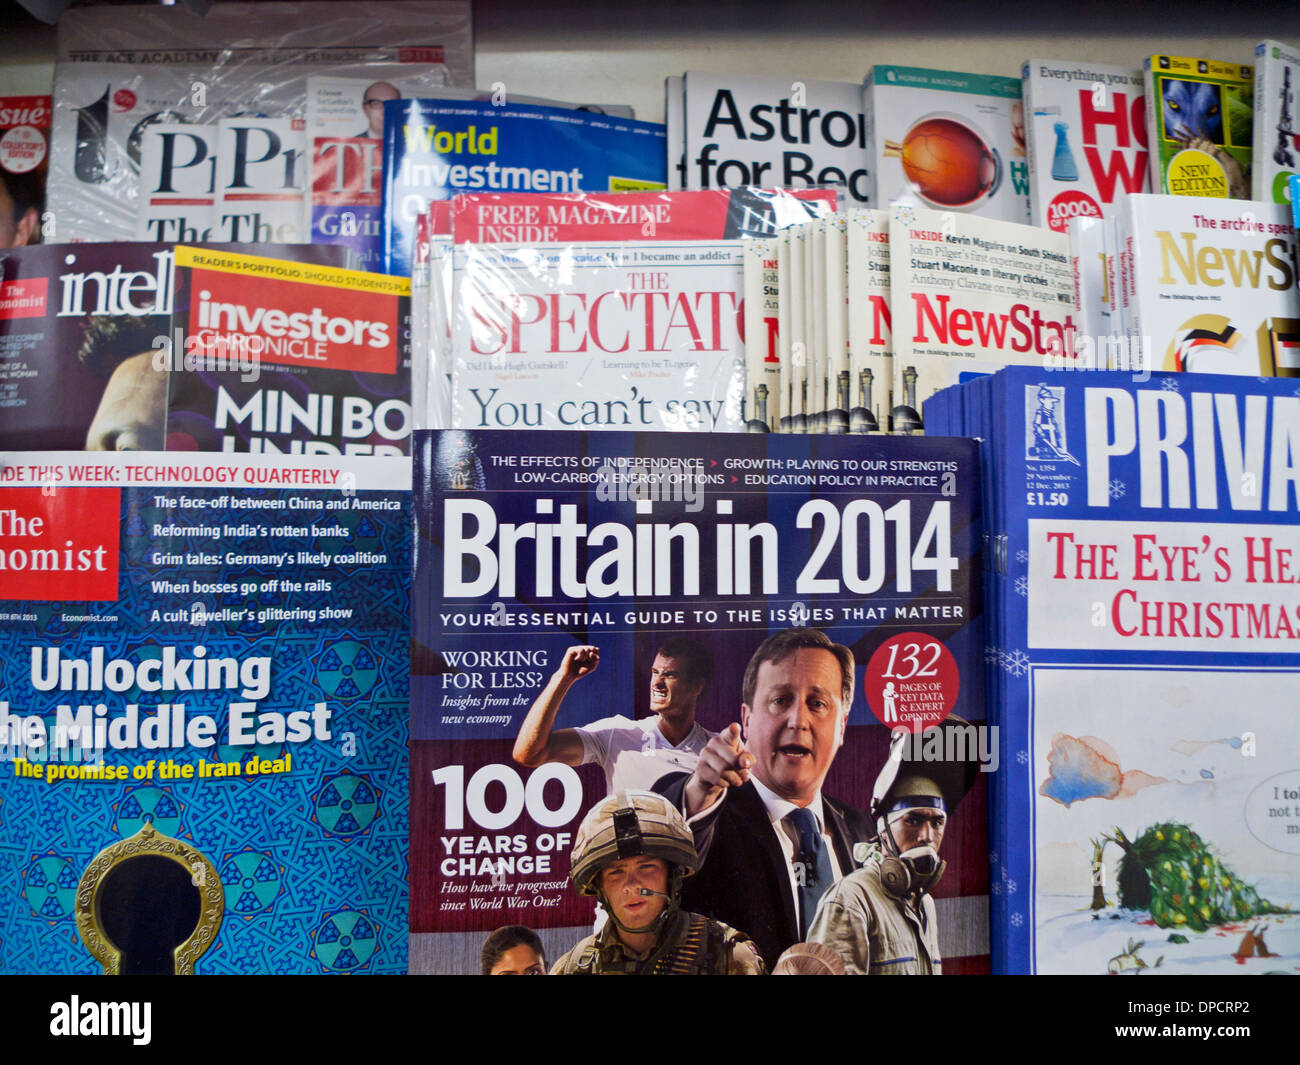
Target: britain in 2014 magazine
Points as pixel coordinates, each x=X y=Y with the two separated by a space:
x=587 y=617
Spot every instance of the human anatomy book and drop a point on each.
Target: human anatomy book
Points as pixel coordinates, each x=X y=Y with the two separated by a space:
x=537 y=553
x=607 y=311
x=1148 y=654
x=203 y=713
x=268 y=355
x=969 y=295
x=946 y=140
x=1276 y=154
x=757 y=129
x=1213 y=285
x=1086 y=132
x=1200 y=122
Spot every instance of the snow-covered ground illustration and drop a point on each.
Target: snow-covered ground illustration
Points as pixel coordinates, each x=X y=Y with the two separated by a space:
x=1167 y=821
x=1070 y=939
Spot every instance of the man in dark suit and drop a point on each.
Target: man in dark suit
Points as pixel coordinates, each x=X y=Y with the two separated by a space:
x=769 y=841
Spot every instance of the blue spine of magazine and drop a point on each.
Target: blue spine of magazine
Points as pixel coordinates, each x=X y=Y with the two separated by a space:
x=1129 y=697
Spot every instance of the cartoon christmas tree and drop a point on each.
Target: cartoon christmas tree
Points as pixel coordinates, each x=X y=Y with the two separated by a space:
x=1170 y=871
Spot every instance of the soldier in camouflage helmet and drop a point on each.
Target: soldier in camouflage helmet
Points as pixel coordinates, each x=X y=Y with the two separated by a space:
x=633 y=850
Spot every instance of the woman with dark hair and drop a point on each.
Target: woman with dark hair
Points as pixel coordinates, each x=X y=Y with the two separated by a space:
x=514 y=950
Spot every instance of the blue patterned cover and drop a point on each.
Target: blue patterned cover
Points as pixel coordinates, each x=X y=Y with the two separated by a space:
x=312 y=860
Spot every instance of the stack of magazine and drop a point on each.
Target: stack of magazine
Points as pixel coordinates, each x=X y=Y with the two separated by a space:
x=594 y=311
x=1141 y=665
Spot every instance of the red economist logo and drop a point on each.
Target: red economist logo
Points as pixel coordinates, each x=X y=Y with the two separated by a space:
x=59 y=543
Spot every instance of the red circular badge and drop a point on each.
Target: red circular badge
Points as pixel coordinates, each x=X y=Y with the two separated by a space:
x=123 y=100
x=911 y=682
x=21 y=149
x=1070 y=205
